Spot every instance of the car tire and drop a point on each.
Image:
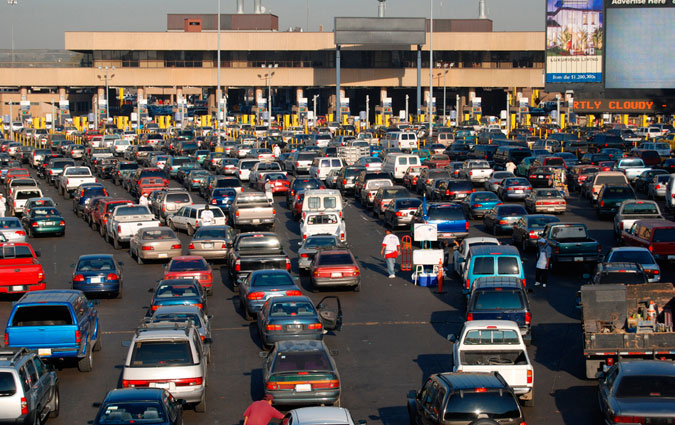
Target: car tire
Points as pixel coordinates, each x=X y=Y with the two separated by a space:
x=120 y=292
x=494 y=230
x=244 y=310
x=201 y=406
x=55 y=403
x=116 y=243
x=190 y=230
x=99 y=343
x=357 y=288
x=86 y=363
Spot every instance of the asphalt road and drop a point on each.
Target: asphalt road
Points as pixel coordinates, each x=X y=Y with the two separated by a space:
x=394 y=335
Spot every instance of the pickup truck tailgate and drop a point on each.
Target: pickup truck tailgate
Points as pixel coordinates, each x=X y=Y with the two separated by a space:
x=258 y=262
x=20 y=271
x=574 y=248
x=511 y=364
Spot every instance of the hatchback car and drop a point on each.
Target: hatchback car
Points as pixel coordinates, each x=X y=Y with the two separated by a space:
x=260 y=285
x=514 y=188
x=502 y=218
x=98 y=273
x=296 y=318
x=335 y=267
x=177 y=292
x=301 y=372
x=44 y=221
x=140 y=405
x=190 y=266
x=154 y=243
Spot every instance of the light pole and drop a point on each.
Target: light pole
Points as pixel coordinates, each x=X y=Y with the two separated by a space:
x=314 y=105
x=107 y=77
x=12 y=3
x=431 y=69
x=406 y=107
x=268 y=77
x=218 y=90
x=446 y=66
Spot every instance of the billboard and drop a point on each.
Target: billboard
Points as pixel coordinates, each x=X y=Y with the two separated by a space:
x=574 y=41
x=639 y=37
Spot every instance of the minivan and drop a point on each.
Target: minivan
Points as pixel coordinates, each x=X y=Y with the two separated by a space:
x=396 y=164
x=403 y=140
x=498 y=261
x=319 y=200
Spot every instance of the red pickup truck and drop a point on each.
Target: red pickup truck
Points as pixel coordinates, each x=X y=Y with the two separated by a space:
x=20 y=270
x=657 y=235
x=437 y=160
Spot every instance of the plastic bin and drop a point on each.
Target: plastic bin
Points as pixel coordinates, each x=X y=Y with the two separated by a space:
x=427 y=279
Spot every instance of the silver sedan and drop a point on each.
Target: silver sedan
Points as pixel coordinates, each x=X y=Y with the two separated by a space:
x=155 y=243
x=657 y=186
x=496 y=180
x=212 y=242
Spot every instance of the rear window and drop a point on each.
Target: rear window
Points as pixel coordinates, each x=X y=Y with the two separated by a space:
x=27 y=194
x=498 y=300
x=258 y=243
x=141 y=412
x=306 y=156
x=15 y=251
x=179 y=198
x=511 y=210
x=292 y=308
x=7 y=384
x=469 y=406
x=487 y=197
x=161 y=354
x=271 y=279
x=42 y=315
x=491 y=337
x=446 y=213
x=304 y=361
x=188 y=265
x=159 y=234
x=484 y=266
x=322 y=219
x=314 y=202
x=132 y=210
x=632 y=163
x=541 y=222
x=174 y=290
x=646 y=387
x=640 y=208
x=180 y=161
x=610 y=180
x=320 y=241
x=335 y=260
x=664 y=235
x=460 y=186
x=568 y=232
x=618 y=191
x=95 y=264
x=508 y=265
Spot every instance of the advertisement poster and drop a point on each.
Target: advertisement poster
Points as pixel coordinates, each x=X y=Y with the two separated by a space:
x=574 y=41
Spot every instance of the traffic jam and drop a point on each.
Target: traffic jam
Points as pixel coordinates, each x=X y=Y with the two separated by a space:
x=296 y=229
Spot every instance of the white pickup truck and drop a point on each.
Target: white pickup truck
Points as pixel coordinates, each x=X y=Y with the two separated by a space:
x=495 y=346
x=72 y=177
x=631 y=167
x=126 y=220
x=323 y=223
x=477 y=171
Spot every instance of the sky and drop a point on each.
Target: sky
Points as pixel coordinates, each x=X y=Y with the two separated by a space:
x=40 y=24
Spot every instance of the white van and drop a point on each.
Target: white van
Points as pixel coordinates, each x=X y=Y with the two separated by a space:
x=670 y=193
x=396 y=164
x=403 y=140
x=321 y=166
x=320 y=200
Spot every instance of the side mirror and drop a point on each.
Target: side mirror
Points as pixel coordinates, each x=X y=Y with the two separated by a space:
x=210 y=316
x=452 y=338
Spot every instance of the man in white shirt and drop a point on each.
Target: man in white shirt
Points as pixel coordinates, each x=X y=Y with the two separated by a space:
x=510 y=167
x=391 y=248
x=144 y=200
x=207 y=216
x=543 y=261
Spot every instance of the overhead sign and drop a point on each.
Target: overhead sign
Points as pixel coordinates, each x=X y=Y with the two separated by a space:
x=618 y=106
x=387 y=31
x=574 y=41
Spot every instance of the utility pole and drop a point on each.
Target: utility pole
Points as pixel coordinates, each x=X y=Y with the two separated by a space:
x=106 y=76
x=218 y=90
x=368 y=110
x=431 y=70
x=268 y=78
x=406 y=107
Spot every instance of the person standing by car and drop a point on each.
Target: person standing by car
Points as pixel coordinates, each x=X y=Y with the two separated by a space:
x=3 y=205
x=144 y=200
x=261 y=412
x=391 y=248
x=510 y=167
x=207 y=216
x=268 y=191
x=543 y=262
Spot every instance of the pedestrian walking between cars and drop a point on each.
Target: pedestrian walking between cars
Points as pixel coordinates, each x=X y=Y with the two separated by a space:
x=391 y=248
x=543 y=262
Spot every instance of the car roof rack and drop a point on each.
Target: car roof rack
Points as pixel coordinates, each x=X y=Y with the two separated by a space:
x=14 y=353
x=147 y=325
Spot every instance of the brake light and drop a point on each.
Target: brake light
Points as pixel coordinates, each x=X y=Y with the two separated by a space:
x=530 y=376
x=34 y=224
x=524 y=283
x=62 y=223
x=24 y=406
x=628 y=420
x=78 y=337
x=112 y=276
x=78 y=278
x=288 y=264
x=6 y=339
x=176 y=246
x=148 y=248
x=273 y=327
x=469 y=317
x=471 y=173
x=480 y=390
x=236 y=213
x=314 y=326
x=256 y=295
x=477 y=205
x=293 y=293
x=651 y=248
x=602 y=203
x=119 y=228
x=503 y=222
x=468 y=284
x=533 y=235
x=237 y=265
x=528 y=318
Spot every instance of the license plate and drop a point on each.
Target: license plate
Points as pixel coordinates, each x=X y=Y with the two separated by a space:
x=578 y=259
x=540 y=177
x=303 y=388
x=17 y=288
x=44 y=351
x=162 y=255
x=96 y=279
x=165 y=385
x=207 y=245
x=293 y=327
x=518 y=191
x=336 y=275
x=460 y=195
x=50 y=223
x=255 y=221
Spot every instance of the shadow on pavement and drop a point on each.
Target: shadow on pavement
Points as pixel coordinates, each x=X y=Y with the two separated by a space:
x=575 y=403
x=390 y=415
x=433 y=363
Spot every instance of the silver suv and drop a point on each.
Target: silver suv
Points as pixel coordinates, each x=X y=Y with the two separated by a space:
x=29 y=390
x=170 y=356
x=169 y=202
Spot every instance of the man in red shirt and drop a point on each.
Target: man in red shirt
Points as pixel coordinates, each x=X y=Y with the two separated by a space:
x=261 y=412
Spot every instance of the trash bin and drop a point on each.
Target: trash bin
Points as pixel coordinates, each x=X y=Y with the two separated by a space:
x=427 y=279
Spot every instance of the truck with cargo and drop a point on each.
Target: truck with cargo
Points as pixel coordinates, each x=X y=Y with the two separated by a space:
x=126 y=220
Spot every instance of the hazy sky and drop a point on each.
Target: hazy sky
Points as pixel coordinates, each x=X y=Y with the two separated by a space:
x=41 y=23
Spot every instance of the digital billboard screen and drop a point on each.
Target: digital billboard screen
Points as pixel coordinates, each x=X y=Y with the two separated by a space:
x=574 y=41
x=640 y=36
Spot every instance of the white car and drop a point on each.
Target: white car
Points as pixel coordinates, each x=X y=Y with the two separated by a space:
x=325 y=223
x=495 y=346
x=462 y=252
x=327 y=415
x=120 y=146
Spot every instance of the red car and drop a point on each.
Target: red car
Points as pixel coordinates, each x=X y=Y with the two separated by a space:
x=279 y=182
x=335 y=267
x=151 y=184
x=606 y=165
x=13 y=173
x=99 y=216
x=190 y=266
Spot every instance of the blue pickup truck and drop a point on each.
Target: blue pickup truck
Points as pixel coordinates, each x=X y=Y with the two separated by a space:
x=449 y=218
x=57 y=324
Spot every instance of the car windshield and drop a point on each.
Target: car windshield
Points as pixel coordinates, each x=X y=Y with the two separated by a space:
x=95 y=264
x=301 y=361
x=320 y=242
x=271 y=279
x=470 y=405
x=454 y=213
x=141 y=412
x=630 y=256
x=498 y=300
x=292 y=309
x=176 y=290
x=161 y=354
x=646 y=386
x=337 y=259
x=640 y=208
x=541 y=222
x=666 y=234
x=187 y=265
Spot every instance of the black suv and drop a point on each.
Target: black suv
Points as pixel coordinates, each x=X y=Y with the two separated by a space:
x=462 y=397
x=626 y=273
x=29 y=389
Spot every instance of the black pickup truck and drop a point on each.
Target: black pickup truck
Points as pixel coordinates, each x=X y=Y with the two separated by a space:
x=256 y=251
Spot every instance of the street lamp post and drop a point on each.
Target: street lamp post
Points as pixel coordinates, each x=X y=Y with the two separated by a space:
x=268 y=77
x=107 y=77
x=446 y=66
x=218 y=90
x=431 y=69
x=12 y=3
x=314 y=106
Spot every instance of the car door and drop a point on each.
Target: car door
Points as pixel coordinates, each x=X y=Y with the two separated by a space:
x=179 y=219
x=427 y=416
x=45 y=378
x=36 y=392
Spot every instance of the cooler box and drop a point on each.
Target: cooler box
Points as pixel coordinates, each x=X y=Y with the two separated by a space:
x=427 y=279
